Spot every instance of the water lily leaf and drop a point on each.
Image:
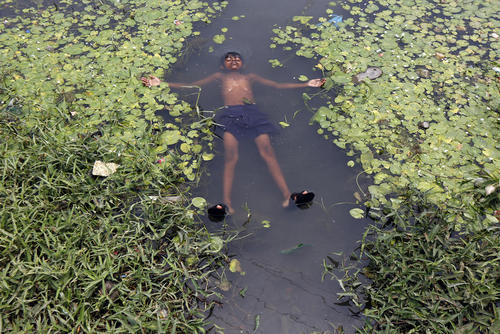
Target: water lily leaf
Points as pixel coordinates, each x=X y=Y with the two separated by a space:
x=216 y=244
x=302 y=19
x=185 y=147
x=357 y=213
x=199 y=202
x=235 y=266
x=207 y=156
x=219 y=39
x=170 y=137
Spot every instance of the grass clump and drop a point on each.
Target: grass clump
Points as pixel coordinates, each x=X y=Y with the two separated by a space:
x=83 y=253
x=422 y=276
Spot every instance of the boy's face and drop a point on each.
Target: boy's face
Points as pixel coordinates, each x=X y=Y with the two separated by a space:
x=233 y=62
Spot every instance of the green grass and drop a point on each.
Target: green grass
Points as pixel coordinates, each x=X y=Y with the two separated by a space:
x=96 y=254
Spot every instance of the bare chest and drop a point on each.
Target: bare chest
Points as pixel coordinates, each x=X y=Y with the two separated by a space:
x=236 y=83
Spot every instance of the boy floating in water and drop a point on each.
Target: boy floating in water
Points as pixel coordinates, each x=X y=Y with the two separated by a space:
x=241 y=119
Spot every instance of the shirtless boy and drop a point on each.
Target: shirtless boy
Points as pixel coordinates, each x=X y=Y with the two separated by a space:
x=242 y=119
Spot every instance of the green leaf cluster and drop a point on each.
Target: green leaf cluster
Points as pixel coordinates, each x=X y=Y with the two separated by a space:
x=88 y=62
x=431 y=120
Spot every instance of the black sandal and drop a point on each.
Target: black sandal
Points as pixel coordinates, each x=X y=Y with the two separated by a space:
x=217 y=212
x=303 y=199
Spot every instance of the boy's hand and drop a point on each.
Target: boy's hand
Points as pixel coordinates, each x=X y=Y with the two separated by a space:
x=316 y=82
x=151 y=81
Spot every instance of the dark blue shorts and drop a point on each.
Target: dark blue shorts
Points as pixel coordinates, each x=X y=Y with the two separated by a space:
x=244 y=121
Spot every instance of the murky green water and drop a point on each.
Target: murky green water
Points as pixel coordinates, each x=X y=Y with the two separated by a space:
x=282 y=292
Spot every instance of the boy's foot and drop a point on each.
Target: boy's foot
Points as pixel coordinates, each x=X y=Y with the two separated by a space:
x=286 y=202
x=303 y=199
x=217 y=212
x=229 y=207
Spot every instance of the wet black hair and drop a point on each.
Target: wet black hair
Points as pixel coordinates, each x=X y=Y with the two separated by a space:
x=230 y=53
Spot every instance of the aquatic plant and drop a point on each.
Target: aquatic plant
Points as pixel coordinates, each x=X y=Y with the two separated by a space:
x=431 y=120
x=423 y=276
x=425 y=130
x=89 y=253
x=119 y=249
x=86 y=59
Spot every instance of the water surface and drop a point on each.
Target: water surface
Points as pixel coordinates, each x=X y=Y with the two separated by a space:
x=284 y=292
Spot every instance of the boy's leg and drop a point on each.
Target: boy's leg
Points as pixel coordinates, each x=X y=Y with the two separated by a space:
x=267 y=153
x=230 y=160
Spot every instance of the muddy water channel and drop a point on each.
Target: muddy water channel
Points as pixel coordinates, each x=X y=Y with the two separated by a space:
x=280 y=292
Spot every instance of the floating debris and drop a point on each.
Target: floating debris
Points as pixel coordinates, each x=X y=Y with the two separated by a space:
x=423 y=125
x=163 y=314
x=439 y=55
x=370 y=73
x=335 y=19
x=293 y=249
x=104 y=168
x=489 y=189
x=257 y=323
x=423 y=73
x=224 y=284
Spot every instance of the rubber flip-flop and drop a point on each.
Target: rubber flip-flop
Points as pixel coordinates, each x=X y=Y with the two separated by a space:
x=217 y=212
x=301 y=200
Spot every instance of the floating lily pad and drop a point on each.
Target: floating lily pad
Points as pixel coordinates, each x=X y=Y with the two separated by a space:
x=199 y=202
x=357 y=213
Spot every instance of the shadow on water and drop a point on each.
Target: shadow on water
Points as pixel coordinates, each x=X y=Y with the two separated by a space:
x=279 y=293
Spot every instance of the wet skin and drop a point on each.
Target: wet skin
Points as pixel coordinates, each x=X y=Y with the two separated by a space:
x=237 y=90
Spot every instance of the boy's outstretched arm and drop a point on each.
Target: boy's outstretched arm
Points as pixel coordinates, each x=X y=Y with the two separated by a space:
x=155 y=81
x=267 y=82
